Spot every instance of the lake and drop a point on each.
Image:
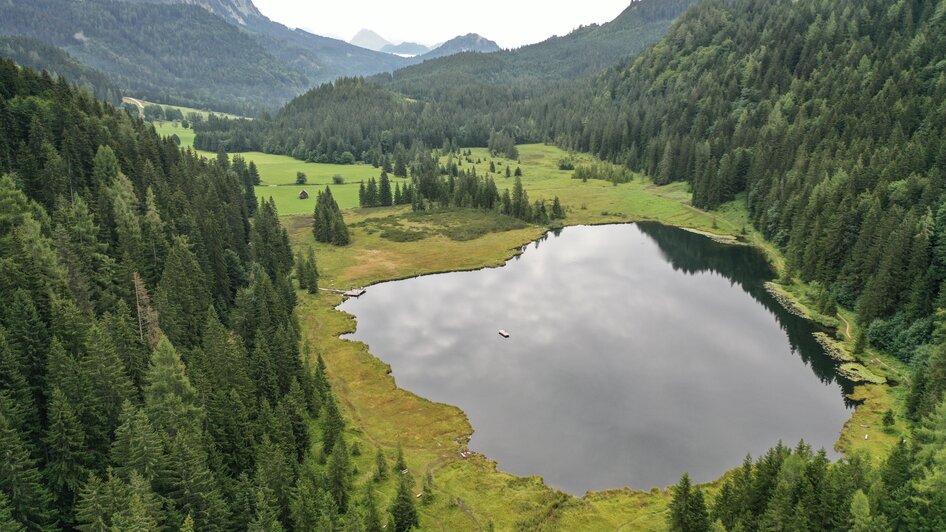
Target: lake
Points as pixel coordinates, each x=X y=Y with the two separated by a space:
x=636 y=352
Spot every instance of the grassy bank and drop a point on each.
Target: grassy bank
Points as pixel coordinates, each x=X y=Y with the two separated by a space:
x=434 y=434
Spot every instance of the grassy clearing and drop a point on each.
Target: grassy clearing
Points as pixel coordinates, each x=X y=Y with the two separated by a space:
x=187 y=110
x=278 y=175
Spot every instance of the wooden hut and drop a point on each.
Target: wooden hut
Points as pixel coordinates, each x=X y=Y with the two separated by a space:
x=304 y=194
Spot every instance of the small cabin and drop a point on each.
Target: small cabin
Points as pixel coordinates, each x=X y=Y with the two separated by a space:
x=304 y=194
x=503 y=333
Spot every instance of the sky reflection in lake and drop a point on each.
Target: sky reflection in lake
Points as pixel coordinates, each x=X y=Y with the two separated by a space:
x=637 y=352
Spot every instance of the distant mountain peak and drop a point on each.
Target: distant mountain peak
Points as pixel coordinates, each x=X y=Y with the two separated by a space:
x=471 y=42
x=369 y=39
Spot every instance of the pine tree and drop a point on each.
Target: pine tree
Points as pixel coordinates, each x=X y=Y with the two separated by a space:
x=137 y=448
x=182 y=297
x=381 y=466
x=385 y=198
x=311 y=272
x=171 y=401
x=20 y=479
x=687 y=508
x=372 y=520
x=339 y=474
x=403 y=510
x=66 y=457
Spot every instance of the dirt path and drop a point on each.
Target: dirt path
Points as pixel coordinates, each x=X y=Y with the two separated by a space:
x=137 y=103
x=873 y=355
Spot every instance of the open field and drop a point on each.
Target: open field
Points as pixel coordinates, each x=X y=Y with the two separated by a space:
x=187 y=110
x=281 y=170
x=381 y=414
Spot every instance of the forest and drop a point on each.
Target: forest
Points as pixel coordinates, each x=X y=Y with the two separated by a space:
x=130 y=41
x=152 y=373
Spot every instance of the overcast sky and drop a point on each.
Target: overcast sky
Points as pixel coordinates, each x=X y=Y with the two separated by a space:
x=510 y=23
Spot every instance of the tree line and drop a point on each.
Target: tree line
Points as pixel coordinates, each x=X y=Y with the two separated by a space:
x=152 y=369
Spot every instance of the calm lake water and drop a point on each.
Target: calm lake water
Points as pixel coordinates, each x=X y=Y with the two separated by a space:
x=637 y=352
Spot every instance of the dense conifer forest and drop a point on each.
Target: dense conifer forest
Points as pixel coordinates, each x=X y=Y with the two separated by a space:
x=152 y=375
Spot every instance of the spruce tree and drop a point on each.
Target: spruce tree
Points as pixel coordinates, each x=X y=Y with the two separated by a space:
x=329 y=226
x=311 y=272
x=20 y=479
x=687 y=508
x=171 y=401
x=381 y=466
x=182 y=297
x=385 y=197
x=339 y=474
x=7 y=521
x=403 y=511
x=372 y=520
x=66 y=458
x=137 y=448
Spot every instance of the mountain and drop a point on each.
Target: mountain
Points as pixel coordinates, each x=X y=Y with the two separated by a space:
x=460 y=99
x=238 y=11
x=640 y=25
x=369 y=39
x=406 y=49
x=470 y=42
x=182 y=51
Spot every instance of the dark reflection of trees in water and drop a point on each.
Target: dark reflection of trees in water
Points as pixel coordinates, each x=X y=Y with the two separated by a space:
x=747 y=267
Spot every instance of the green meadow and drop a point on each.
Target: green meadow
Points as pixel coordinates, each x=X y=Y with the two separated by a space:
x=278 y=175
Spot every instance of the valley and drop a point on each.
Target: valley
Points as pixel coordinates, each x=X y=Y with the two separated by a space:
x=682 y=270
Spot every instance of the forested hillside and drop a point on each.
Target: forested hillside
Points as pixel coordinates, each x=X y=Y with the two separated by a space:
x=177 y=53
x=458 y=99
x=830 y=117
x=41 y=56
x=150 y=368
x=171 y=54
x=583 y=52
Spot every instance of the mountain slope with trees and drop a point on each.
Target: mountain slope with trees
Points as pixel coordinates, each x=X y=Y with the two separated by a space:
x=41 y=56
x=826 y=117
x=180 y=52
x=152 y=373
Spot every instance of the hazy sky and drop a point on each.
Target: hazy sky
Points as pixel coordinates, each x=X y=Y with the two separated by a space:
x=510 y=23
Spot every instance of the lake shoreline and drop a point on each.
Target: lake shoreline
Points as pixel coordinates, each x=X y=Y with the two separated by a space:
x=439 y=431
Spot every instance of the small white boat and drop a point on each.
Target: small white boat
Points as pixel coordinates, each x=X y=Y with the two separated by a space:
x=503 y=333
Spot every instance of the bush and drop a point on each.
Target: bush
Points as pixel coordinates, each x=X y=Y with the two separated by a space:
x=338 y=179
x=301 y=178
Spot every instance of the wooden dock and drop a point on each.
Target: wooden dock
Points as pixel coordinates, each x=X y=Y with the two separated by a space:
x=352 y=292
